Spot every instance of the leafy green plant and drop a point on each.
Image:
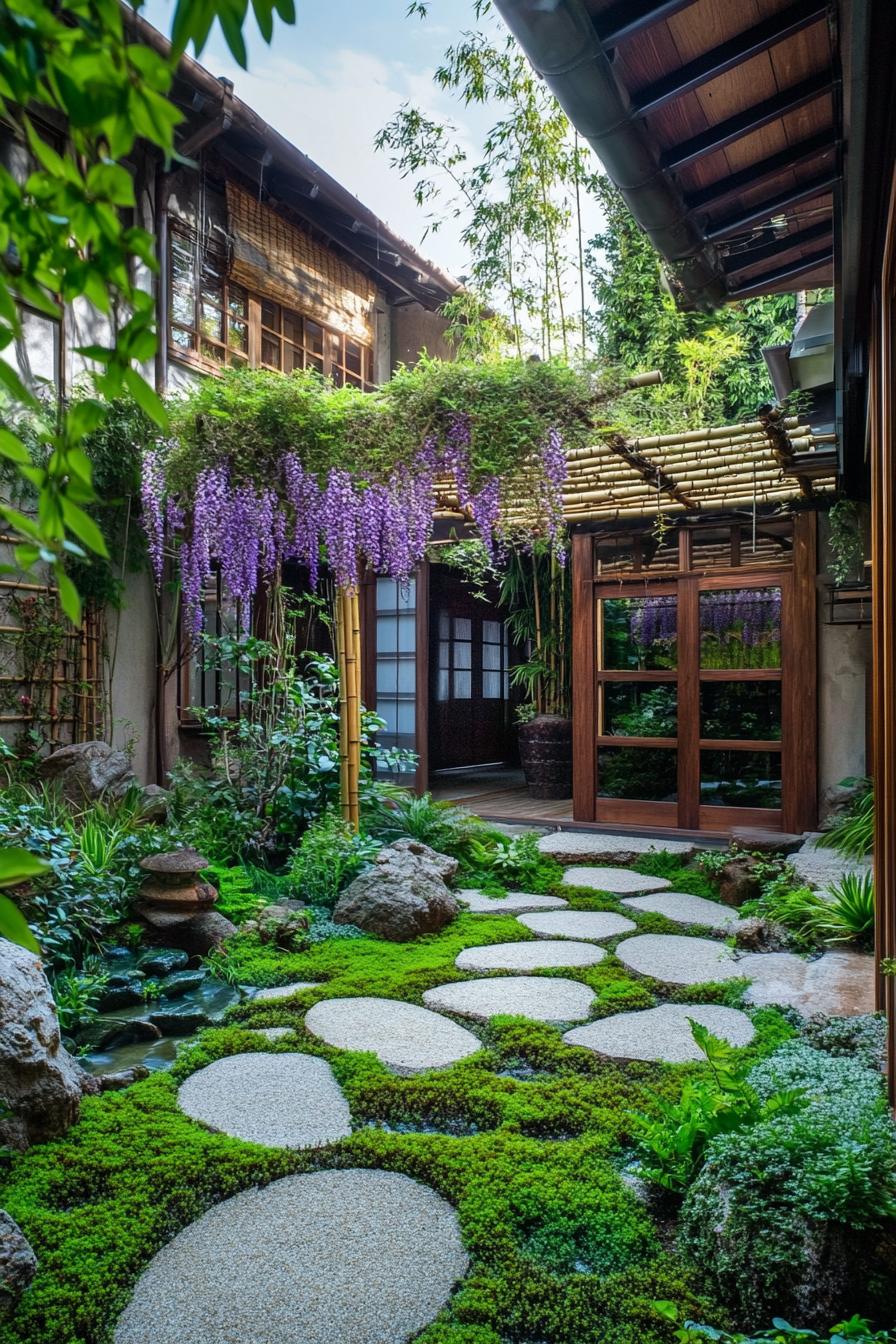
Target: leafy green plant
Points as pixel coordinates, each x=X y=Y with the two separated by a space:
x=846 y=540
x=238 y=897
x=329 y=856
x=673 y=1146
x=77 y=994
x=857 y=1329
x=444 y=827
x=853 y=835
x=845 y=913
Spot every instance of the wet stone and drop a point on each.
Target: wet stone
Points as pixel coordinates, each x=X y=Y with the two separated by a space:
x=163 y=961
x=178 y=984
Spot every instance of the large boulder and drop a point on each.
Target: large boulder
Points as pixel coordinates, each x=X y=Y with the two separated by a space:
x=18 y=1264
x=402 y=895
x=41 y=1085
x=86 y=771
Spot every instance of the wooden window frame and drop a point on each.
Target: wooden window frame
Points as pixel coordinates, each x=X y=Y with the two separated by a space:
x=797 y=675
x=331 y=359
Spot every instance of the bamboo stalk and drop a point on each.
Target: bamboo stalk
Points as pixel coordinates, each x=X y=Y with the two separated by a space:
x=354 y=716
x=344 y=799
x=536 y=602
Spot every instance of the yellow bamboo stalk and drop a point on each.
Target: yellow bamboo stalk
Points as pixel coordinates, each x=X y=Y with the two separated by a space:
x=341 y=662
x=353 y=667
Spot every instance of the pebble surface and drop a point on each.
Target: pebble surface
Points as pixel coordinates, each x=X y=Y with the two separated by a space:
x=583 y=924
x=569 y=846
x=333 y=1257
x=617 y=880
x=683 y=908
x=406 y=1038
x=538 y=955
x=678 y=960
x=282 y=1100
x=284 y=991
x=543 y=998
x=514 y=903
x=663 y=1033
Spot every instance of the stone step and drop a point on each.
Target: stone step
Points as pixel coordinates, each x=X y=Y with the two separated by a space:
x=618 y=881
x=544 y=998
x=587 y=925
x=406 y=1038
x=536 y=955
x=594 y=847
x=662 y=1034
x=683 y=908
x=514 y=903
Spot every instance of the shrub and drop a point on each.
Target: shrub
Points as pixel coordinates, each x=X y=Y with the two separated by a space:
x=444 y=827
x=853 y=836
x=330 y=855
x=856 y=1329
x=844 y=914
x=238 y=898
x=862 y=1039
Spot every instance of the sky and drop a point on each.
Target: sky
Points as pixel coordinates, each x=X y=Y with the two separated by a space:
x=334 y=79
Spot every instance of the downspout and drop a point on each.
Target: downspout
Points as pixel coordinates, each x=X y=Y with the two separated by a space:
x=559 y=40
x=192 y=145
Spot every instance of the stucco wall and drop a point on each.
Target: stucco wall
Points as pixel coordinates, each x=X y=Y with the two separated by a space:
x=415 y=329
x=132 y=676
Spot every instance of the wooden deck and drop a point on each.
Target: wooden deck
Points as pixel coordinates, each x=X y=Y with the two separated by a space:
x=512 y=804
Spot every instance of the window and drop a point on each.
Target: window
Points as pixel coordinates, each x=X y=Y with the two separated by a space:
x=205 y=680
x=216 y=321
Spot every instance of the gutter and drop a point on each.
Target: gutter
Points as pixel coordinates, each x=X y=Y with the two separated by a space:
x=291 y=160
x=559 y=39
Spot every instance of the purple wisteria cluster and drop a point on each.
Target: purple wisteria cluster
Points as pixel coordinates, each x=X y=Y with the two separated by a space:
x=653 y=620
x=750 y=614
x=249 y=530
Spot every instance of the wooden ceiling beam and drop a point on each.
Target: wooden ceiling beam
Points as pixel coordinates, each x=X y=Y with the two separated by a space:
x=772 y=205
x=824 y=142
x=777 y=245
x=627 y=18
x=760 y=284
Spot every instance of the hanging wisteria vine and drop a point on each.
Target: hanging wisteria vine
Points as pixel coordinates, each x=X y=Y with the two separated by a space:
x=248 y=521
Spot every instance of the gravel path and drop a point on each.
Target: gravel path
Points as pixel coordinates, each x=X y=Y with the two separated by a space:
x=334 y=1257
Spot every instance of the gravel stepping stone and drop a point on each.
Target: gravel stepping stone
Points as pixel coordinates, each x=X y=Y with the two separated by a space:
x=662 y=1033
x=819 y=865
x=683 y=908
x=584 y=924
x=284 y=1101
x=284 y=991
x=332 y=1257
x=619 y=880
x=573 y=846
x=514 y=903
x=678 y=960
x=544 y=998
x=404 y=1037
x=538 y=955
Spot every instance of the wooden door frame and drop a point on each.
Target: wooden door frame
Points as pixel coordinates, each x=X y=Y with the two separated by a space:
x=798 y=676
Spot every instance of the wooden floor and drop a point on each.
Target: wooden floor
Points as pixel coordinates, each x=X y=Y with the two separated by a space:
x=513 y=804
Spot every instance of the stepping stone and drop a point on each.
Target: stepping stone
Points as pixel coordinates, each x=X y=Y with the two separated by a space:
x=284 y=1101
x=331 y=1257
x=838 y=984
x=593 y=924
x=677 y=960
x=544 y=998
x=404 y=1037
x=683 y=908
x=617 y=880
x=538 y=955
x=817 y=864
x=663 y=1033
x=284 y=991
x=514 y=903
x=575 y=846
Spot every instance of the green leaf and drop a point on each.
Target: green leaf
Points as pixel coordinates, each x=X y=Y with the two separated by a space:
x=13 y=448
x=69 y=598
x=14 y=926
x=84 y=528
x=146 y=398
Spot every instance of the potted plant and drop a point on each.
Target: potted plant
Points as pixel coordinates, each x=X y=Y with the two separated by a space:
x=536 y=591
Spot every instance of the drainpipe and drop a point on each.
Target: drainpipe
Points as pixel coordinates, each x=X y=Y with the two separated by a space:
x=559 y=39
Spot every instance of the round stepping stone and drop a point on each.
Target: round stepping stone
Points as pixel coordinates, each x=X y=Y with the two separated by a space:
x=284 y=991
x=662 y=1033
x=404 y=1037
x=514 y=903
x=574 y=846
x=678 y=960
x=593 y=924
x=683 y=908
x=332 y=1257
x=284 y=1101
x=617 y=880
x=539 y=955
x=544 y=998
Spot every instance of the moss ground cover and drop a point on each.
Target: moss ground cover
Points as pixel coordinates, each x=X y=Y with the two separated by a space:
x=527 y=1138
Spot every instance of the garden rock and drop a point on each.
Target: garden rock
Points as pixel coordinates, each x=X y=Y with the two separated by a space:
x=155 y=802
x=761 y=935
x=282 y=1100
x=404 y=1037
x=86 y=771
x=18 y=1264
x=676 y=959
x=174 y=1022
x=621 y=881
x=738 y=881
x=765 y=842
x=163 y=961
x=839 y=984
x=109 y=1031
x=663 y=1033
x=544 y=998
x=402 y=894
x=178 y=984
x=592 y=847
x=122 y=996
x=330 y=1257
x=537 y=955
x=514 y=903
x=117 y=1082
x=197 y=935
x=586 y=925
x=281 y=924
x=40 y=1082
x=683 y=908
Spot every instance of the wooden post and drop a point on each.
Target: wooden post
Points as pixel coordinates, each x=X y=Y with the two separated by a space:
x=348 y=657
x=341 y=663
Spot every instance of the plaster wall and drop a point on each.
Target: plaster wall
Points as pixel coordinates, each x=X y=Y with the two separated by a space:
x=414 y=330
x=844 y=661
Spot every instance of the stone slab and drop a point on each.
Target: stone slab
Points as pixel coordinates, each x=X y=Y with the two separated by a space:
x=544 y=998
x=406 y=1038
x=514 y=903
x=537 y=955
x=331 y=1257
x=284 y=991
x=284 y=1101
x=676 y=959
x=621 y=881
x=586 y=925
x=758 y=841
x=839 y=984
x=576 y=846
x=683 y=908
x=663 y=1033
x=820 y=866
